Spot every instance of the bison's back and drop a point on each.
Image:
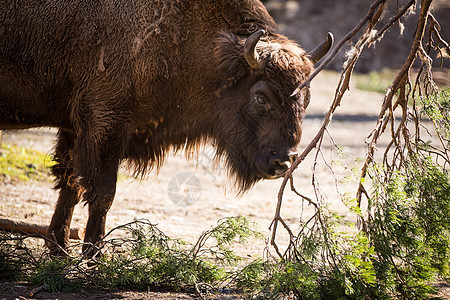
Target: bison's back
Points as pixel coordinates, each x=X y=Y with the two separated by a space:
x=57 y=56
x=53 y=51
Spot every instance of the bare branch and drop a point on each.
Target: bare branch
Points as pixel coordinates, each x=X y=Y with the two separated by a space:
x=387 y=102
x=373 y=8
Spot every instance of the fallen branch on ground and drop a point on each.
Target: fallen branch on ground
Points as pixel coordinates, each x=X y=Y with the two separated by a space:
x=36 y=230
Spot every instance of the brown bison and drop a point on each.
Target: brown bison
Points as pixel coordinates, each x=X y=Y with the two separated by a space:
x=129 y=80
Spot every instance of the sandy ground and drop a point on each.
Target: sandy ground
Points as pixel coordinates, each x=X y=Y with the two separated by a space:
x=153 y=198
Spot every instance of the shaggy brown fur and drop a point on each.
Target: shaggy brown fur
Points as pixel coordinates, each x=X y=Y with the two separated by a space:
x=132 y=79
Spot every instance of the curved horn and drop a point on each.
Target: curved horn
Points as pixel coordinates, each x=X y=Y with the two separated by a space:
x=317 y=53
x=251 y=56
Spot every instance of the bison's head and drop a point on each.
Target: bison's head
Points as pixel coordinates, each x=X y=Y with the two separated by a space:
x=258 y=126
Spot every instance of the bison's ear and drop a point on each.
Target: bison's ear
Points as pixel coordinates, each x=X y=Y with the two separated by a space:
x=229 y=56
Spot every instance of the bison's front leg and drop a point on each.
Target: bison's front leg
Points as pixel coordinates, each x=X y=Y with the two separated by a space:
x=97 y=153
x=100 y=199
x=86 y=164
x=58 y=231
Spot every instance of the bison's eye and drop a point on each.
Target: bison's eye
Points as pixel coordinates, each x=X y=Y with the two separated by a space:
x=261 y=101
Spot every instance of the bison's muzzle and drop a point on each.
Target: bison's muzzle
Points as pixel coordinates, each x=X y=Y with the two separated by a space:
x=277 y=165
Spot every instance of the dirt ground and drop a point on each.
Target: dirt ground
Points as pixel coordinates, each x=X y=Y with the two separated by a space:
x=160 y=199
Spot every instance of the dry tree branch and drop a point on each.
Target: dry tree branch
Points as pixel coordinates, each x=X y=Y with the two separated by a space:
x=371 y=18
x=35 y=229
x=435 y=27
x=394 y=87
x=372 y=10
x=401 y=13
x=395 y=99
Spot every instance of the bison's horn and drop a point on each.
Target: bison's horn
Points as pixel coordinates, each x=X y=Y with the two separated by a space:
x=251 y=56
x=317 y=53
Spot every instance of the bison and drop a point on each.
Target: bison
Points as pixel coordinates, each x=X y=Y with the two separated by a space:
x=129 y=80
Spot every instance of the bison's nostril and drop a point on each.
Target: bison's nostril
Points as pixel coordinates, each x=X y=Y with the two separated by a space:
x=279 y=164
x=280 y=167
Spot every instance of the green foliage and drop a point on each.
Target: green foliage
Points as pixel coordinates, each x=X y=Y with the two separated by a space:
x=20 y=261
x=14 y=258
x=404 y=250
x=325 y=264
x=18 y=163
x=147 y=258
x=410 y=229
x=152 y=258
x=155 y=259
x=54 y=274
x=275 y=279
x=219 y=239
x=437 y=108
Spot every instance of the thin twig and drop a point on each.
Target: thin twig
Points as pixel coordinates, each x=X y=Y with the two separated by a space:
x=342 y=42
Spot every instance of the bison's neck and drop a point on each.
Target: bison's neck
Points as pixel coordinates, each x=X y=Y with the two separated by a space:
x=178 y=111
x=185 y=126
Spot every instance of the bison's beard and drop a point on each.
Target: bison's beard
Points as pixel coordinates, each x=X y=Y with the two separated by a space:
x=241 y=168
